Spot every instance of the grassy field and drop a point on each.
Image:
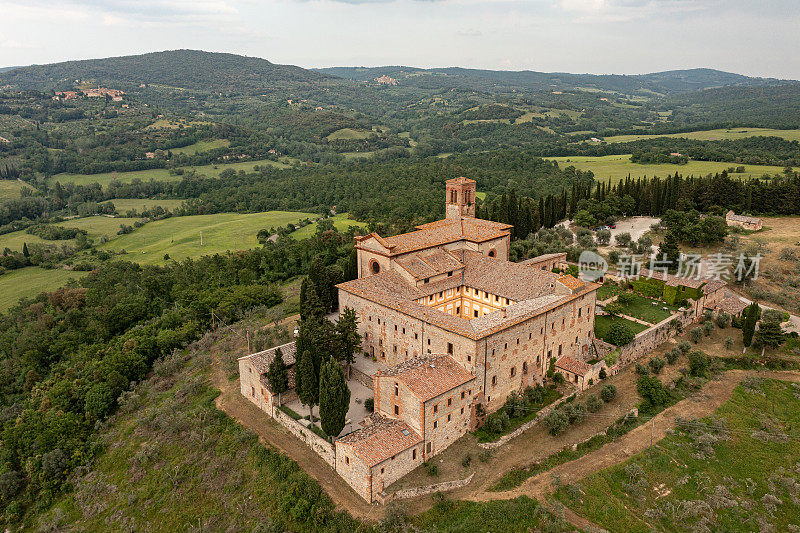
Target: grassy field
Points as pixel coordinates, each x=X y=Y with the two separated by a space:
x=602 y=325
x=180 y=236
x=30 y=281
x=98 y=225
x=643 y=309
x=201 y=146
x=10 y=189
x=617 y=167
x=340 y=222
x=714 y=135
x=348 y=134
x=161 y=174
x=126 y=204
x=737 y=471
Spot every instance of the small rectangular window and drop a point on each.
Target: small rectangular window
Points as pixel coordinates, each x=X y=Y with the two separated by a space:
x=449 y=402
x=396 y=409
x=436 y=408
x=435 y=424
x=450 y=348
x=414 y=454
x=448 y=418
x=346 y=460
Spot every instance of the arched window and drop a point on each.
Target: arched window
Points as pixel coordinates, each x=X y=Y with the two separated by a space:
x=492 y=253
x=374 y=267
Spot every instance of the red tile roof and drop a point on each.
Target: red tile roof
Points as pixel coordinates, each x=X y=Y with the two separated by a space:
x=573 y=365
x=443 y=232
x=381 y=440
x=431 y=376
x=732 y=305
x=430 y=263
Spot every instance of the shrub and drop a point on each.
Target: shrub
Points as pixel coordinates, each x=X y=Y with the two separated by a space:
x=556 y=422
x=728 y=343
x=698 y=363
x=558 y=378
x=608 y=392
x=652 y=392
x=485 y=455
x=602 y=374
x=369 y=404
x=465 y=462
x=626 y=298
x=672 y=355
x=576 y=412
x=684 y=346
x=497 y=422
x=619 y=334
x=696 y=334
x=736 y=322
x=723 y=320
x=656 y=364
x=641 y=369
x=708 y=328
x=593 y=403
x=431 y=468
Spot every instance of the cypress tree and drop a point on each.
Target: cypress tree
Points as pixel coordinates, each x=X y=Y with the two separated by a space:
x=307 y=382
x=278 y=375
x=751 y=314
x=769 y=334
x=334 y=398
x=349 y=339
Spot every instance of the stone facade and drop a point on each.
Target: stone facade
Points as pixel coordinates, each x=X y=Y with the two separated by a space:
x=743 y=221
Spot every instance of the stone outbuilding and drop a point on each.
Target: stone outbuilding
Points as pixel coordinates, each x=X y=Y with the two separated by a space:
x=743 y=221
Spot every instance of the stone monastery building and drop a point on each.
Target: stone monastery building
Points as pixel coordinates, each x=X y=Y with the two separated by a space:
x=456 y=328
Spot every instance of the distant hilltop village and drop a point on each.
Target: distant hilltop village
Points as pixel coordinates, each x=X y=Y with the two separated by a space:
x=450 y=328
x=99 y=92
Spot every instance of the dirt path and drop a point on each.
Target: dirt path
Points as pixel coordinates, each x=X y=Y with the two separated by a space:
x=231 y=402
x=714 y=394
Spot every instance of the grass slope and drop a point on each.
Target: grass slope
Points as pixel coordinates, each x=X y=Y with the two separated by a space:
x=743 y=477
x=201 y=146
x=180 y=236
x=10 y=189
x=714 y=135
x=340 y=222
x=614 y=168
x=160 y=174
x=30 y=281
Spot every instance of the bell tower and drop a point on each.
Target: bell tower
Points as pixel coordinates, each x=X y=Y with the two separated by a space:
x=460 y=197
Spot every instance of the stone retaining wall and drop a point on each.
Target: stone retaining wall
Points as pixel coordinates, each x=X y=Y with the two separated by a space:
x=649 y=339
x=428 y=489
x=322 y=447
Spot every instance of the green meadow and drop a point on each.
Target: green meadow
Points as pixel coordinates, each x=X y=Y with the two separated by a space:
x=161 y=174
x=10 y=189
x=30 y=281
x=201 y=146
x=714 y=135
x=617 y=167
x=180 y=237
x=340 y=222
x=736 y=471
x=349 y=133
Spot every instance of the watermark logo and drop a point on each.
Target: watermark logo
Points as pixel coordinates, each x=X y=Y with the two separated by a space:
x=592 y=266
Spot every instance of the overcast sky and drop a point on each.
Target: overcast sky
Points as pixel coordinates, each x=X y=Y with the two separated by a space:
x=751 y=37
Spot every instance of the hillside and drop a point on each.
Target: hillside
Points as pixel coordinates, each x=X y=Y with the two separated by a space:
x=190 y=69
x=670 y=82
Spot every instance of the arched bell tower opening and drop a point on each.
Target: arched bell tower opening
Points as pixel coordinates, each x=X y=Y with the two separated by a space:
x=460 y=197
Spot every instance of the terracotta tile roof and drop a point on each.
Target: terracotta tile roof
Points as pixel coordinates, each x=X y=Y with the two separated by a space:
x=262 y=360
x=381 y=440
x=460 y=180
x=429 y=263
x=573 y=365
x=732 y=305
x=431 y=376
x=526 y=287
x=446 y=231
x=543 y=258
x=570 y=282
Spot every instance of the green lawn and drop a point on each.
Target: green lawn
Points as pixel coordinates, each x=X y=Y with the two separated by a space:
x=602 y=324
x=124 y=205
x=30 y=281
x=340 y=222
x=349 y=133
x=10 y=189
x=643 y=308
x=180 y=236
x=736 y=476
x=201 y=146
x=714 y=135
x=617 y=167
x=161 y=174
x=607 y=290
x=14 y=241
x=98 y=225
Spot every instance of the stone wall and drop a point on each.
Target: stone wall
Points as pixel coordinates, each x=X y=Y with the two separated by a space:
x=649 y=339
x=322 y=447
x=428 y=489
